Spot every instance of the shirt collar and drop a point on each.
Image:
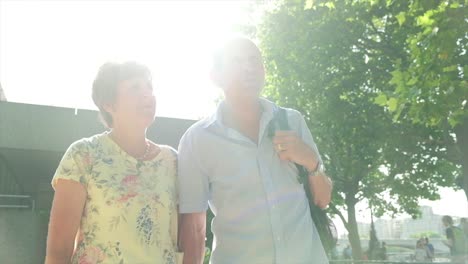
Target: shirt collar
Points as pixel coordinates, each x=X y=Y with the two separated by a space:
x=216 y=119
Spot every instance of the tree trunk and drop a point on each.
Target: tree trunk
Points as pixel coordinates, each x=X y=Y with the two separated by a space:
x=461 y=132
x=353 y=232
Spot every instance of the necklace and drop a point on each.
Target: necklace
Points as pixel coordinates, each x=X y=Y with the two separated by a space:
x=145 y=155
x=142 y=157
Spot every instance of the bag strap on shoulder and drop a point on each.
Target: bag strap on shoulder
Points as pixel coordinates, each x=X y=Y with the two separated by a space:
x=323 y=223
x=280 y=117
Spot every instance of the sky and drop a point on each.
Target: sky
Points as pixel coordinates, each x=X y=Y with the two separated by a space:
x=50 y=52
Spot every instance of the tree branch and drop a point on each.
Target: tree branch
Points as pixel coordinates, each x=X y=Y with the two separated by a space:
x=340 y=215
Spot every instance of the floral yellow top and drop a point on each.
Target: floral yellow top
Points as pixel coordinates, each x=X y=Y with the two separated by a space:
x=130 y=207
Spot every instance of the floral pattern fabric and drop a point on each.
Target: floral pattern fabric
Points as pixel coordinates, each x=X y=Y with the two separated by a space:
x=130 y=206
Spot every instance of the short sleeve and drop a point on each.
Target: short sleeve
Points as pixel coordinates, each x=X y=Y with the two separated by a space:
x=73 y=165
x=449 y=233
x=174 y=171
x=192 y=181
x=306 y=136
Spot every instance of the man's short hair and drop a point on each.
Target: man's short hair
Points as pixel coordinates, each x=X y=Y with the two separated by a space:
x=447 y=219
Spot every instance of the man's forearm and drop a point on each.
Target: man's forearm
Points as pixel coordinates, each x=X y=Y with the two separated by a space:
x=192 y=238
x=193 y=246
x=321 y=188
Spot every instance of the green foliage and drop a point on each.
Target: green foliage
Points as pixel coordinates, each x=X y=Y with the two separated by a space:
x=209 y=234
x=429 y=80
x=207 y=255
x=374 y=244
x=427 y=234
x=350 y=67
x=399 y=250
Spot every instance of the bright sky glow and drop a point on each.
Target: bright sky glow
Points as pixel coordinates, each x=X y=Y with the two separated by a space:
x=50 y=52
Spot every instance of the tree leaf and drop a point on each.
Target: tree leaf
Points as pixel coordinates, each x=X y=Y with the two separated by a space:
x=308 y=4
x=392 y=104
x=381 y=99
x=401 y=18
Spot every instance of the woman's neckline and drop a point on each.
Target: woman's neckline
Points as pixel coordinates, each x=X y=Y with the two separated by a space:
x=130 y=157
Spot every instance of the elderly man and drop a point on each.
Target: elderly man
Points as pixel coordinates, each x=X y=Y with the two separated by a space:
x=248 y=178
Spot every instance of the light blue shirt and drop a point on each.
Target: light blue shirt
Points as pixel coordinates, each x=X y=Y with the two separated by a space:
x=261 y=210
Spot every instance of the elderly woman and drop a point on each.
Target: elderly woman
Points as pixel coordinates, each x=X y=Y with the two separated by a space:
x=115 y=193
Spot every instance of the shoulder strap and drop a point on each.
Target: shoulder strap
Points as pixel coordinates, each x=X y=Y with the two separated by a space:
x=322 y=222
x=278 y=122
x=280 y=117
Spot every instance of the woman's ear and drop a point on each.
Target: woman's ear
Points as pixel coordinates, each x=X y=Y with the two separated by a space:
x=108 y=107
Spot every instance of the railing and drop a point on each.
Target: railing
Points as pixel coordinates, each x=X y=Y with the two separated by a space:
x=17 y=201
x=8 y=181
x=11 y=192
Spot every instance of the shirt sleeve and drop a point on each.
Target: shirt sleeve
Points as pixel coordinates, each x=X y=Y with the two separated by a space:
x=73 y=165
x=306 y=135
x=173 y=170
x=192 y=181
x=449 y=233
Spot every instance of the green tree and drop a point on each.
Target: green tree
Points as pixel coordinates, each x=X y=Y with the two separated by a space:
x=428 y=234
x=374 y=244
x=326 y=59
x=429 y=84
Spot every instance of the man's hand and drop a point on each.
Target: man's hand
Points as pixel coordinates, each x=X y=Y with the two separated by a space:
x=291 y=147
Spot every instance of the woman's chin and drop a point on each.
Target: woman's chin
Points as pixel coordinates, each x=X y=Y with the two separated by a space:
x=145 y=120
x=149 y=120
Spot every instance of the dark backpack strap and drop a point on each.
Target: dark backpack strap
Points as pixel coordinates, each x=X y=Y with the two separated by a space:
x=319 y=217
x=281 y=117
x=278 y=122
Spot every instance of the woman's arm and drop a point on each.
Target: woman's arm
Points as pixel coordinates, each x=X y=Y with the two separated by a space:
x=65 y=217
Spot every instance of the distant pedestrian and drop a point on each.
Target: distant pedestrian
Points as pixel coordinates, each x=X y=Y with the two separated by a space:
x=421 y=253
x=347 y=252
x=456 y=240
x=430 y=248
x=383 y=252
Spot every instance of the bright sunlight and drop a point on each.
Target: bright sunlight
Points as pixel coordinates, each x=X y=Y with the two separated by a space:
x=50 y=50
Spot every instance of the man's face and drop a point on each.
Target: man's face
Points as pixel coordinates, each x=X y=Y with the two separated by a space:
x=242 y=73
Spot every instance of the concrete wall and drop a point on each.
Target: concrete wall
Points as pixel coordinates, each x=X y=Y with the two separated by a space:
x=37 y=127
x=22 y=236
x=32 y=140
